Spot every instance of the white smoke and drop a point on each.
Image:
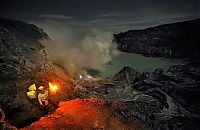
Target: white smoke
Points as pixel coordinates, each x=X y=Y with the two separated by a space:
x=76 y=48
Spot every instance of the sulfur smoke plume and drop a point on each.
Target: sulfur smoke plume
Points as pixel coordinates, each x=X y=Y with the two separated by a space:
x=76 y=48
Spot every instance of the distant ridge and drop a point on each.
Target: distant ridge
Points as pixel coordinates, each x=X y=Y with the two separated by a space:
x=181 y=39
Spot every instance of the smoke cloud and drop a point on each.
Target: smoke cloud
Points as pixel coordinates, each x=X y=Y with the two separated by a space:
x=76 y=47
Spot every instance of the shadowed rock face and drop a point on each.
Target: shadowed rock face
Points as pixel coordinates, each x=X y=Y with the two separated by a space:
x=23 y=61
x=170 y=40
x=3 y=123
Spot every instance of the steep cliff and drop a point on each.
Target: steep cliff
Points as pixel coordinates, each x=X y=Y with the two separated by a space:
x=170 y=40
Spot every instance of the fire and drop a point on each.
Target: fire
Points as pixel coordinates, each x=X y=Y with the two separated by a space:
x=53 y=88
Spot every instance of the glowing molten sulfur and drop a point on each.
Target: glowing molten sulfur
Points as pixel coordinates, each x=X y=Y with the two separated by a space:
x=52 y=88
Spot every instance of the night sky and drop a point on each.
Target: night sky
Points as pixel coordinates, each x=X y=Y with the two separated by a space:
x=118 y=14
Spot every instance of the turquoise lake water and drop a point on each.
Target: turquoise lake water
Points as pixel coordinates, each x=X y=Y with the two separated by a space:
x=137 y=61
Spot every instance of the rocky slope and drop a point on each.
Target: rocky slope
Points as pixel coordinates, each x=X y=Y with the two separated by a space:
x=23 y=61
x=160 y=100
x=131 y=100
x=170 y=40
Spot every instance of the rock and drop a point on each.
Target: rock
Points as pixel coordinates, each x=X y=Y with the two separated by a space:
x=127 y=73
x=23 y=62
x=169 y=40
x=176 y=90
x=78 y=114
x=160 y=100
x=3 y=123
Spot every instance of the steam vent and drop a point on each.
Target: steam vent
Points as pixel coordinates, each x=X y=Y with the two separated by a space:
x=79 y=66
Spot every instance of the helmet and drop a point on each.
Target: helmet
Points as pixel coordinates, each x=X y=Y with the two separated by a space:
x=41 y=88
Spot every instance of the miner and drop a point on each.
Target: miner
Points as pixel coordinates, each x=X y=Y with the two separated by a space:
x=43 y=97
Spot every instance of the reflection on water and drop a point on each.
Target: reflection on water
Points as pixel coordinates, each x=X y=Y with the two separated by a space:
x=139 y=62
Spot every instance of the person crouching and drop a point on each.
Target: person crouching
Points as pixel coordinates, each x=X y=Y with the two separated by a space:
x=43 y=96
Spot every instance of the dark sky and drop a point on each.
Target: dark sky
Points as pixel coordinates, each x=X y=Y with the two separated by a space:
x=133 y=14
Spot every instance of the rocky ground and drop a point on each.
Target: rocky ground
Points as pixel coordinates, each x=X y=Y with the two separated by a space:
x=127 y=100
x=161 y=100
x=81 y=114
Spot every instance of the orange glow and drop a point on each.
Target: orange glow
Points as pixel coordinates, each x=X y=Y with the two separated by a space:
x=81 y=114
x=53 y=88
